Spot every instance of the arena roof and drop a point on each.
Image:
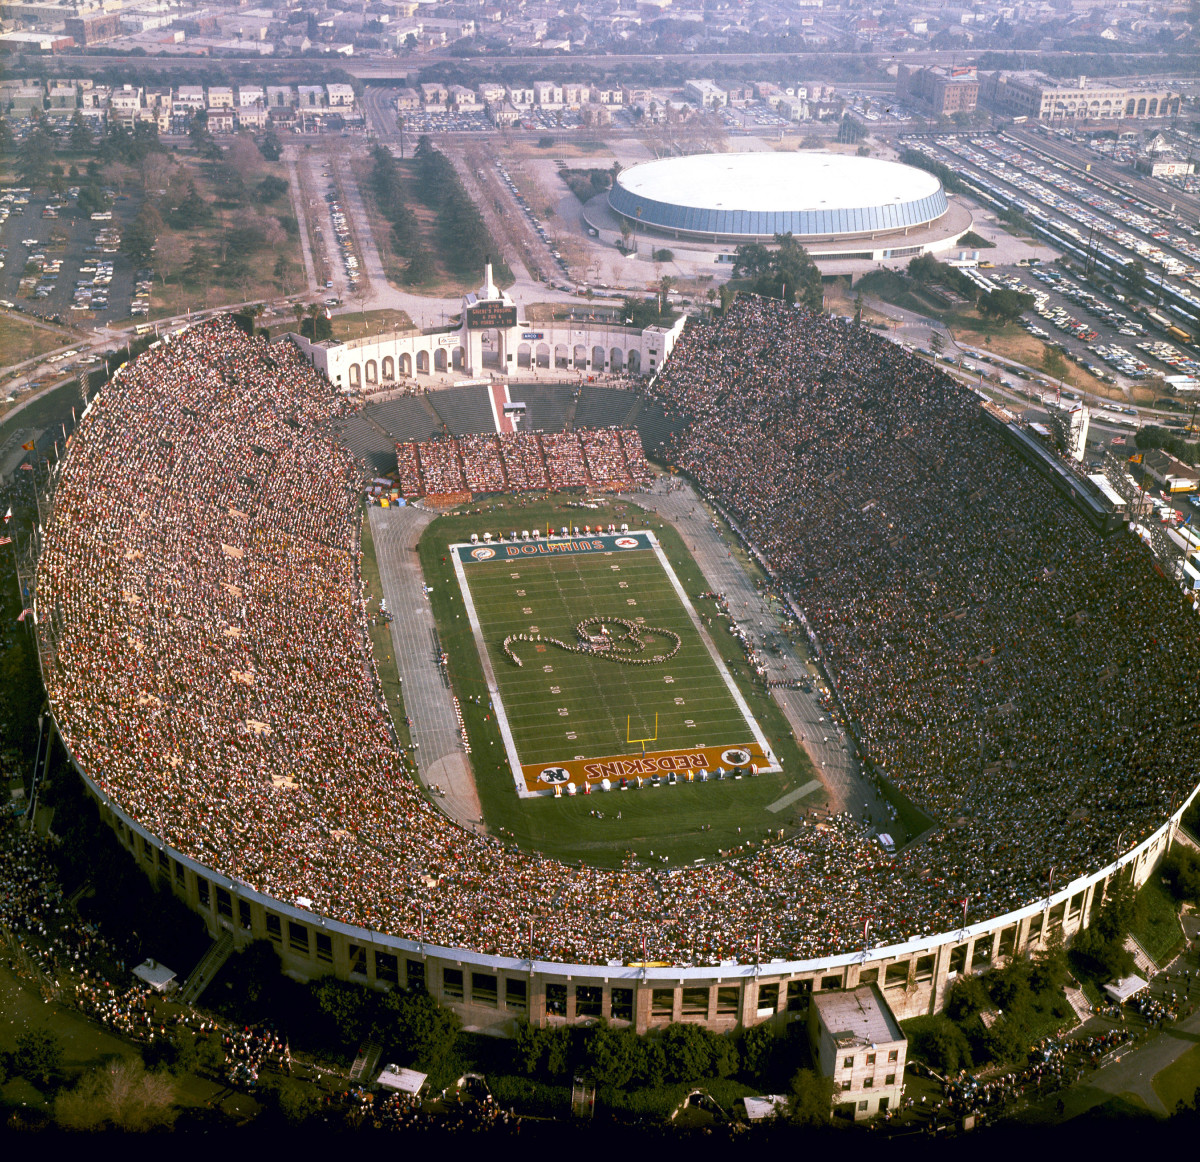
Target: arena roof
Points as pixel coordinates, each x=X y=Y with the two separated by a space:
x=757 y=195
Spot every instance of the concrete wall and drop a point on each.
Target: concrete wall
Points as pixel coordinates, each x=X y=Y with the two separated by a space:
x=494 y=992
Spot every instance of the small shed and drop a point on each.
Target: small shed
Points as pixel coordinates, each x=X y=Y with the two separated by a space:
x=159 y=977
x=399 y=1080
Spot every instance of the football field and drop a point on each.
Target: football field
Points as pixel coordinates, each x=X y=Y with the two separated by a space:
x=599 y=668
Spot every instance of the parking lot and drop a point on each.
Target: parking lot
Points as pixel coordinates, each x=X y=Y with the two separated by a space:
x=1095 y=222
x=62 y=266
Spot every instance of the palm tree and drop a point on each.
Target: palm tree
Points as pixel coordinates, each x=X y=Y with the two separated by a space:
x=664 y=287
x=626 y=233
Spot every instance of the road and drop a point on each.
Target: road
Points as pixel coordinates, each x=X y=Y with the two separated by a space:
x=428 y=701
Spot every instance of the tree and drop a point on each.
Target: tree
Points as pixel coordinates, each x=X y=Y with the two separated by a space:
x=1004 y=304
x=139 y=237
x=812 y=1098
x=81 y=136
x=850 y=131
x=937 y=343
x=7 y=140
x=612 y=1055
x=967 y=998
x=92 y=198
x=420 y=267
x=626 y=232
x=193 y=211
x=121 y=1094
x=294 y=1101
x=34 y=158
x=939 y=1042
x=664 y=289
x=786 y=272
x=1134 y=275
x=1181 y=871
x=38 y=1056
x=169 y=255
x=1053 y=363
x=270 y=146
x=271 y=189
x=317 y=328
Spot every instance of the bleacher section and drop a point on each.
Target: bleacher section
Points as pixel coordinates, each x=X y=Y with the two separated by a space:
x=375 y=432
x=408 y=418
x=603 y=407
x=547 y=405
x=606 y=458
x=366 y=440
x=465 y=410
x=656 y=427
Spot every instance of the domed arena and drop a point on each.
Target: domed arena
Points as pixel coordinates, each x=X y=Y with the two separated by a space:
x=746 y=197
x=1021 y=678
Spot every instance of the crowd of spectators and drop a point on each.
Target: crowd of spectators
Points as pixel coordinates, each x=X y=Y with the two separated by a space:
x=1022 y=679
x=522 y=461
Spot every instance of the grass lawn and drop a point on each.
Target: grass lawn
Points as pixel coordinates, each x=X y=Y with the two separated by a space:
x=970 y=327
x=444 y=284
x=52 y=408
x=1160 y=933
x=1180 y=1080
x=358 y=324
x=21 y=340
x=565 y=827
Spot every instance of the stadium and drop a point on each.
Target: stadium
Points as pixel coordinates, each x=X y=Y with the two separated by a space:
x=204 y=646
x=839 y=206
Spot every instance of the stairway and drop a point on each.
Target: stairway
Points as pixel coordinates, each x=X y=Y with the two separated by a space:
x=1079 y=1003
x=1141 y=957
x=210 y=964
x=366 y=1062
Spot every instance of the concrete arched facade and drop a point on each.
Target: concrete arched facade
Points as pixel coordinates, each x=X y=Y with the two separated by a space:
x=494 y=993
x=559 y=345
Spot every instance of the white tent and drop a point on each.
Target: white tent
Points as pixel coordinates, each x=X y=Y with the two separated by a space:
x=769 y=1105
x=1128 y=986
x=401 y=1080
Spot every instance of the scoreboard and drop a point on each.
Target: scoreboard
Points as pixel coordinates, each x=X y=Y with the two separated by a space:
x=481 y=316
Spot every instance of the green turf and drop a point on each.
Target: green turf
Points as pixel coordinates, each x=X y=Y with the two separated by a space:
x=1179 y=1081
x=681 y=702
x=1157 y=926
x=698 y=821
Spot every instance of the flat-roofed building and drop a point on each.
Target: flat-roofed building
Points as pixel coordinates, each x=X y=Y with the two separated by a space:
x=462 y=98
x=93 y=28
x=707 y=94
x=856 y=1040
x=189 y=97
x=944 y=91
x=434 y=96
x=1041 y=99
